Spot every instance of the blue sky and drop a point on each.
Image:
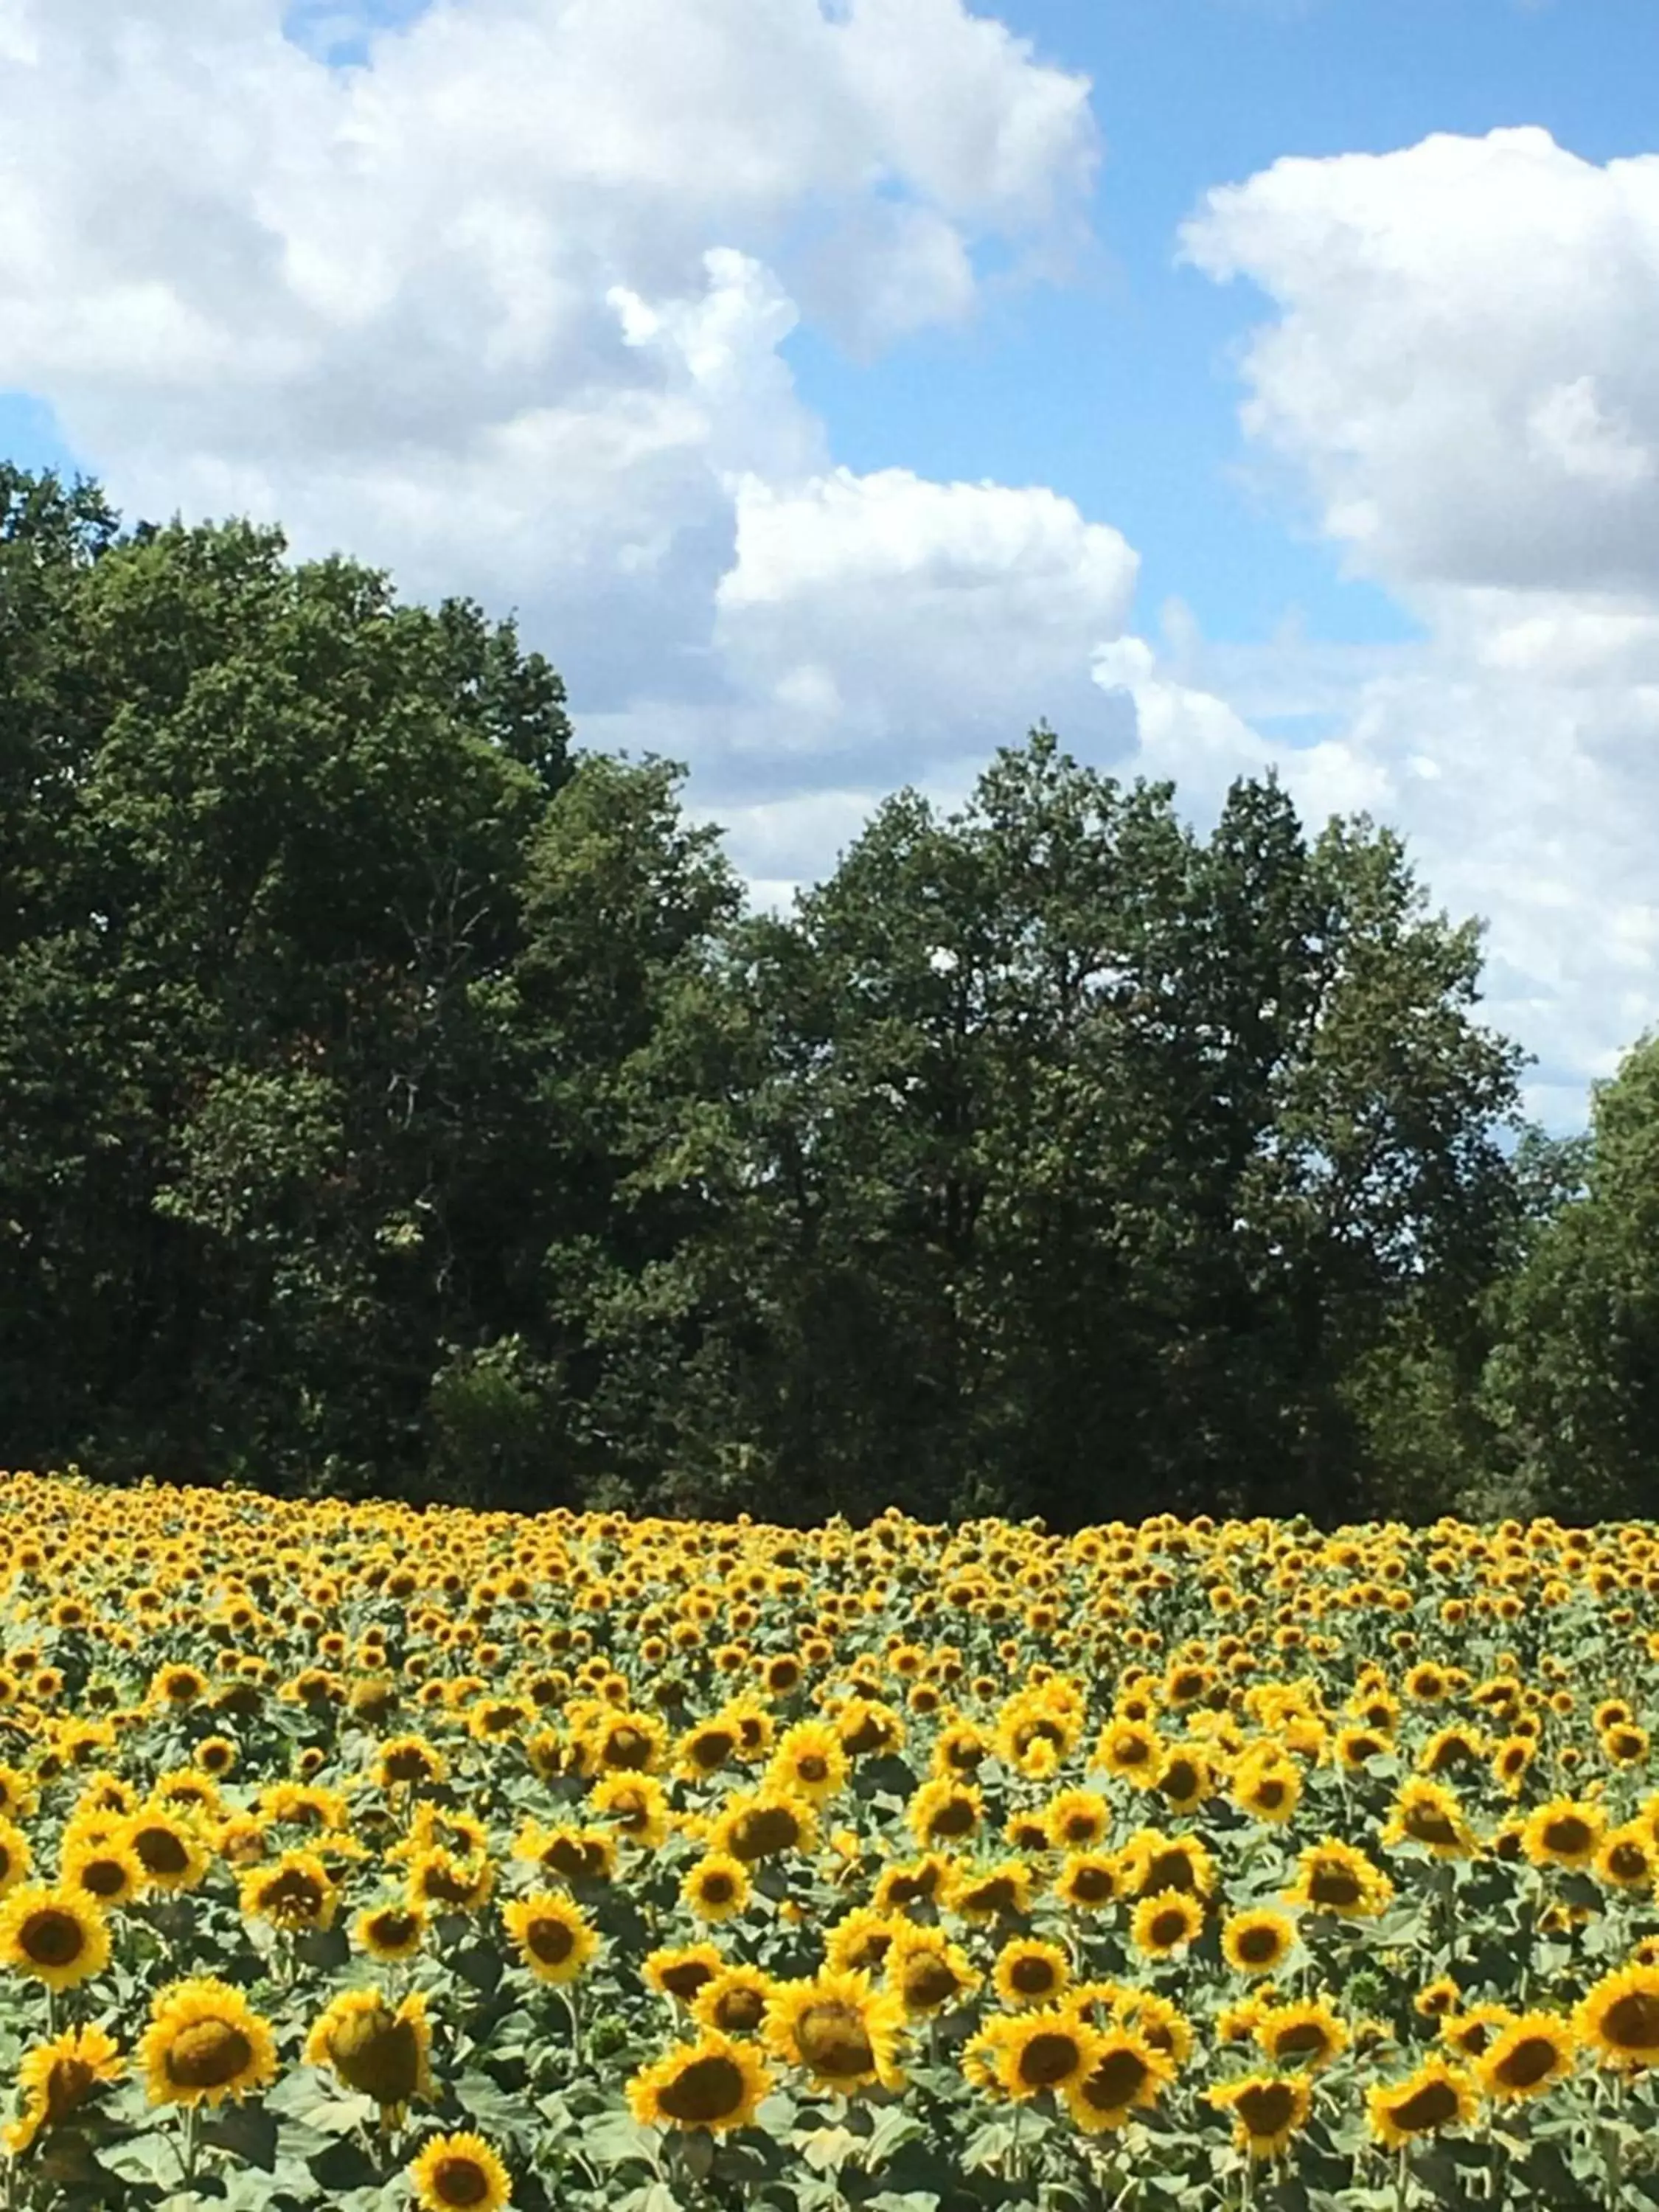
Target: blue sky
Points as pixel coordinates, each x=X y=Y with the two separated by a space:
x=836 y=386
x=1119 y=388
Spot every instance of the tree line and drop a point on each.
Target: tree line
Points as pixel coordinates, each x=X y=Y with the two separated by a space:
x=397 y=1097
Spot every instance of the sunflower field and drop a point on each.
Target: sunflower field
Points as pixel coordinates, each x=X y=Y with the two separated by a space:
x=362 y=1856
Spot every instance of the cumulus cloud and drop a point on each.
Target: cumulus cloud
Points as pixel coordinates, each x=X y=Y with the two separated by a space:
x=1456 y=376
x=502 y=305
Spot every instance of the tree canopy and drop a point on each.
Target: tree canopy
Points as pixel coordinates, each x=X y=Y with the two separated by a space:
x=396 y=1097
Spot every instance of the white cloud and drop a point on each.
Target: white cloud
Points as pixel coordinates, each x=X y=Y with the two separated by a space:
x=1459 y=374
x=502 y=308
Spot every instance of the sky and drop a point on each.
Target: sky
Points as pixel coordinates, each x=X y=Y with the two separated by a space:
x=835 y=388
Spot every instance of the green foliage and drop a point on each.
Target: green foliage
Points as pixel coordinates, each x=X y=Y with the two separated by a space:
x=395 y=1097
x=1573 y=1380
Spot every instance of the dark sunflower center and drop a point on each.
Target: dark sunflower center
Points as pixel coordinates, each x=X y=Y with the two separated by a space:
x=1568 y=1834
x=834 y=2040
x=812 y=1768
x=1628 y=1862
x=928 y=1981
x=1168 y=1928
x=955 y=1817
x=995 y=1896
x=1093 y=1885
x=1257 y=1946
x=628 y=1749
x=1430 y=2106
x=104 y=1877
x=1170 y=1870
x=161 y=1851
x=50 y=1938
x=739 y=2010
x=707 y=2090
x=1632 y=2021
x=1528 y=2063
x=764 y=1830
x=294 y=1894
x=550 y=1941
x=460 y=2181
x=394 y=1928
x=1306 y=2037
x=409 y=1764
x=1116 y=2080
x=1048 y=2058
x=1032 y=1975
x=67 y=2084
x=1335 y=1885
x=718 y=1889
x=207 y=2055
x=1266 y=2107
x=1269 y=1793
x=379 y=2056
x=684 y=1979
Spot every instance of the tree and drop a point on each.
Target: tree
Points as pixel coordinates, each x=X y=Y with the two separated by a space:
x=1096 y=1156
x=261 y=895
x=1573 y=1380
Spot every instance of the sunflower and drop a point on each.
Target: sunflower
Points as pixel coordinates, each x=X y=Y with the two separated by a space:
x=716 y=2083
x=1428 y=1813
x=838 y=2027
x=914 y=1882
x=716 y=1888
x=106 y=1869
x=761 y=1824
x=1624 y=1859
x=459 y=2174
x=1437 y=2096
x=572 y=1854
x=445 y=1879
x=295 y=1892
x=679 y=1971
x=859 y=1941
x=1151 y=1861
x=1308 y=2032
x=408 y=1762
x=378 y=2052
x=927 y=1972
x=390 y=1931
x=1266 y=1783
x=1335 y=1877
x=1165 y=1921
x=1184 y=1780
x=1564 y=1832
x=554 y=1938
x=15 y=1856
x=1088 y=1880
x=1619 y=2018
x=55 y=2077
x=170 y=1848
x=1530 y=2056
x=1131 y=1750
x=944 y=1811
x=637 y=1804
x=983 y=1894
x=1077 y=1820
x=1022 y=2054
x=1256 y=1941
x=1123 y=2074
x=809 y=1761
x=735 y=2002
x=1472 y=2033
x=57 y=1936
x=204 y=2043
x=1268 y=2109
x=1030 y=1972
